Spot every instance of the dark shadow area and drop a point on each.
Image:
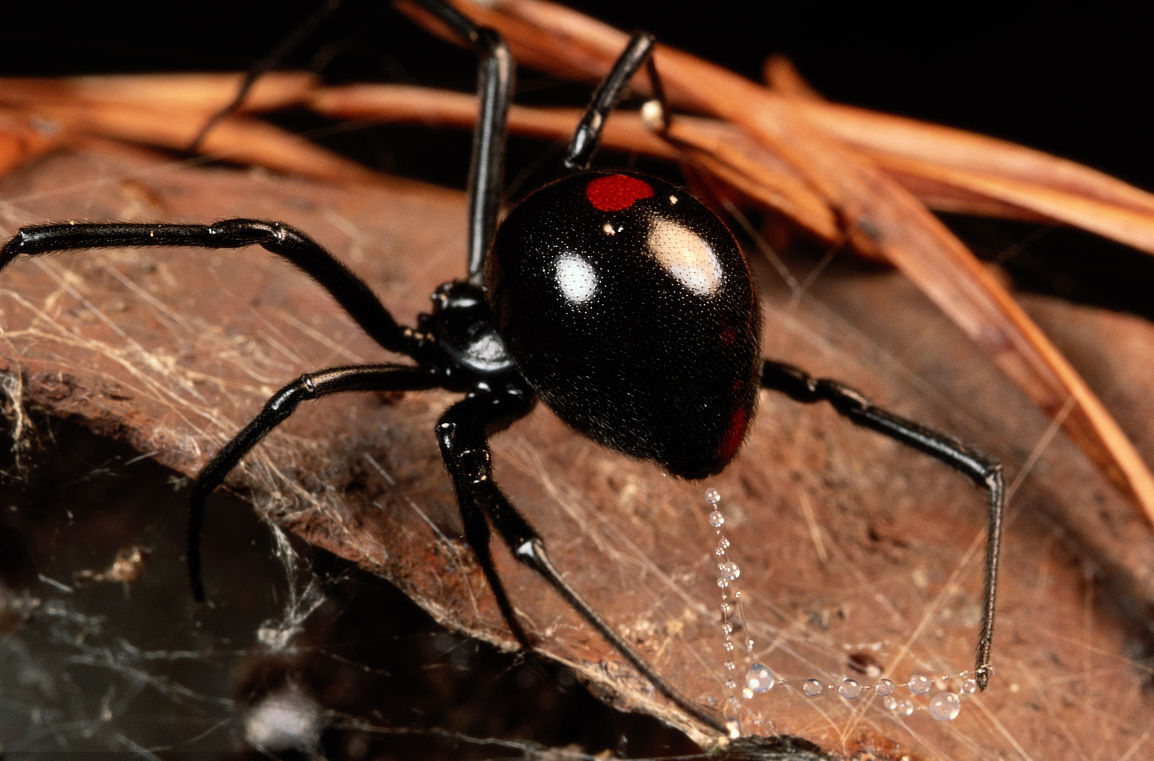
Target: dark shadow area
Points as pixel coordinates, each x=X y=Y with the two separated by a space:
x=345 y=666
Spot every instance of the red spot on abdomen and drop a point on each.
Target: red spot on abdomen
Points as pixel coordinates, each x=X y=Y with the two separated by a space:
x=616 y=192
x=734 y=434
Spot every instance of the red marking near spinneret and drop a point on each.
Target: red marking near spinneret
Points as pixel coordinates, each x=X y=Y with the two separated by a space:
x=616 y=192
x=734 y=435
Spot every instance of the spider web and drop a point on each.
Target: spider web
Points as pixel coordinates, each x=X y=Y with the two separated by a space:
x=854 y=553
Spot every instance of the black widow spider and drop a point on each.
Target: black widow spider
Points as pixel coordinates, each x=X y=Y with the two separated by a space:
x=618 y=299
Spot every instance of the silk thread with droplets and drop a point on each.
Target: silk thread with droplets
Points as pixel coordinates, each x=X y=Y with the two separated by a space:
x=940 y=697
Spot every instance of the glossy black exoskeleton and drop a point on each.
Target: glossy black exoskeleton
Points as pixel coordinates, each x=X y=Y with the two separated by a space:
x=623 y=298
x=619 y=299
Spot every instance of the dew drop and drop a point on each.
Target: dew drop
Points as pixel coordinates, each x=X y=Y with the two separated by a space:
x=716 y=519
x=919 y=684
x=760 y=678
x=970 y=686
x=905 y=707
x=945 y=706
x=729 y=570
x=712 y=496
x=849 y=689
x=890 y=702
x=811 y=688
x=884 y=687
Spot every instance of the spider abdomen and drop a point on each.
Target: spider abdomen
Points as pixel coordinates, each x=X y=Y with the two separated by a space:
x=630 y=309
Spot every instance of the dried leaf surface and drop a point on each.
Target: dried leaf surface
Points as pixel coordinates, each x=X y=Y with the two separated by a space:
x=847 y=544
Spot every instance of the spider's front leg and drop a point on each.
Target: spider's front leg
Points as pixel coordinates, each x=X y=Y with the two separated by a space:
x=276 y=410
x=463 y=435
x=352 y=293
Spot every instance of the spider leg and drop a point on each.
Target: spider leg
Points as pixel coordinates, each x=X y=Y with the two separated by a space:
x=463 y=432
x=637 y=52
x=457 y=450
x=291 y=244
x=979 y=468
x=495 y=75
x=276 y=410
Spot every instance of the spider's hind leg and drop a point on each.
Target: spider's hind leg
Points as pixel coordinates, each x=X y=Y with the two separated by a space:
x=978 y=467
x=462 y=433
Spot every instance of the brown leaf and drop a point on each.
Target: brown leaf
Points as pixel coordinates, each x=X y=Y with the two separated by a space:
x=169 y=111
x=21 y=139
x=852 y=550
x=201 y=93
